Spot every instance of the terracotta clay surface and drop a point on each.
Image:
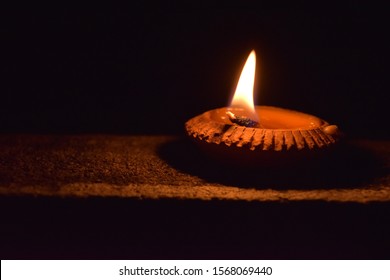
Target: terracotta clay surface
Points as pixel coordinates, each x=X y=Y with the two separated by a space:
x=171 y=167
x=282 y=130
x=282 y=138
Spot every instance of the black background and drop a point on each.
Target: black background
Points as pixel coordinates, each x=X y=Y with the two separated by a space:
x=148 y=67
x=112 y=228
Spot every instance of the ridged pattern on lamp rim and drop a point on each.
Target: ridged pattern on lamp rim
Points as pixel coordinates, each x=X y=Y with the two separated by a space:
x=202 y=128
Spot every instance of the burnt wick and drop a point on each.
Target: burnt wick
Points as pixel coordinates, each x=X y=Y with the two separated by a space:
x=242 y=121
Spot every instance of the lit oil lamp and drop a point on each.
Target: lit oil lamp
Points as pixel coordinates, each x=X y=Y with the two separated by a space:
x=247 y=134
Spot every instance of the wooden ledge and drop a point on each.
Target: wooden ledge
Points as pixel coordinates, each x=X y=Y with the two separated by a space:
x=171 y=167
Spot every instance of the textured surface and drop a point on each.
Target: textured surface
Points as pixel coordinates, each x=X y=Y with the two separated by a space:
x=170 y=167
x=157 y=197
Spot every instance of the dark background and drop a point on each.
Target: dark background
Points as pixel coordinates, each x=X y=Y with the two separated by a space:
x=147 y=68
x=112 y=228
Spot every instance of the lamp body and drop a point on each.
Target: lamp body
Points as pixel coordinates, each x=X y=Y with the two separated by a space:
x=285 y=136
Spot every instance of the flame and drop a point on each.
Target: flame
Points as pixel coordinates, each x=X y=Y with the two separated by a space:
x=243 y=96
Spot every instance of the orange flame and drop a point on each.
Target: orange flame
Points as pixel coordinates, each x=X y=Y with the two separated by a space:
x=243 y=96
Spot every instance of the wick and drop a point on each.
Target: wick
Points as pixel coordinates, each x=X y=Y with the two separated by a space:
x=243 y=121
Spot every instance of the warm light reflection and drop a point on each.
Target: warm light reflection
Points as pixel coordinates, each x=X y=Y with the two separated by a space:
x=243 y=96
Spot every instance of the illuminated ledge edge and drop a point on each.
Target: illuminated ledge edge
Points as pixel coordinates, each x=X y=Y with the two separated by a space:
x=207 y=192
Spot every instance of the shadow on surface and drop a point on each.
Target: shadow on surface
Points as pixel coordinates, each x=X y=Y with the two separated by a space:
x=350 y=166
